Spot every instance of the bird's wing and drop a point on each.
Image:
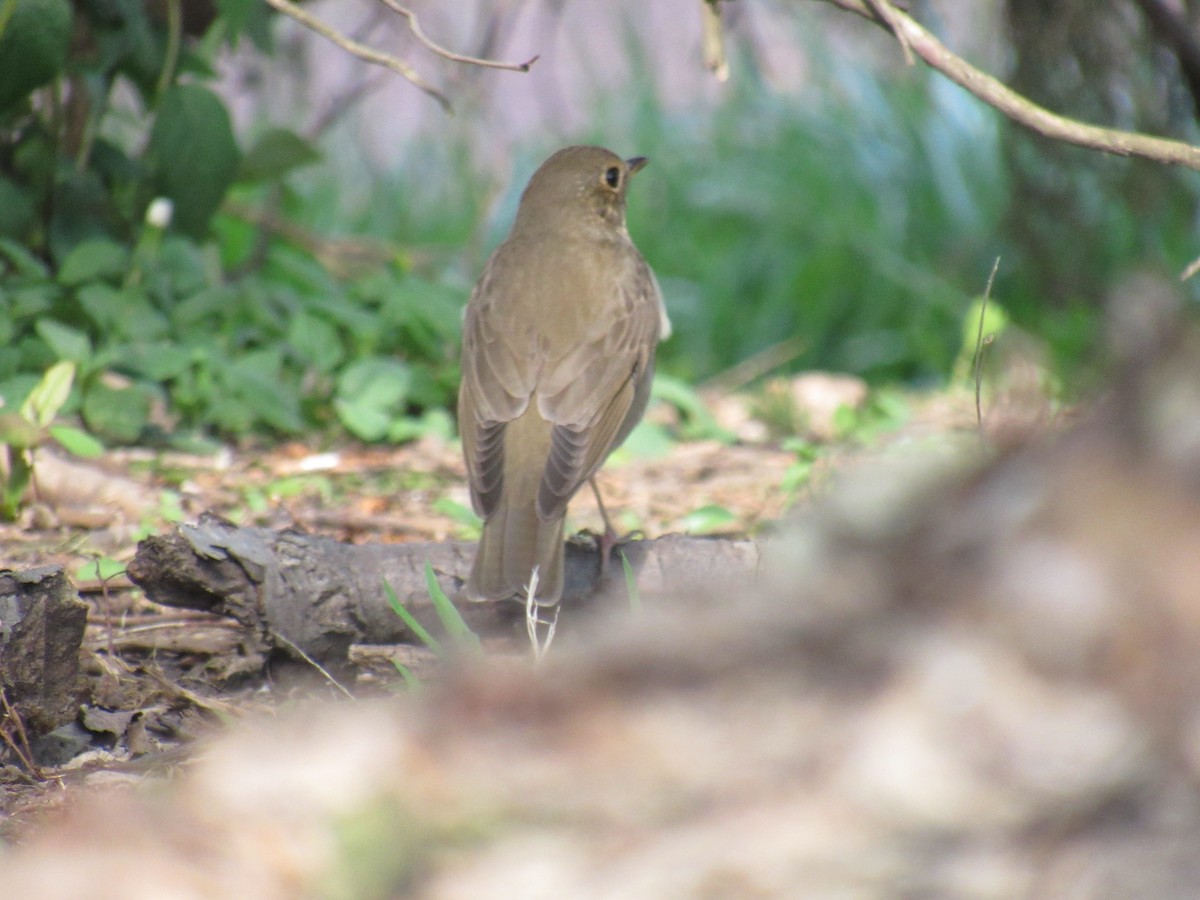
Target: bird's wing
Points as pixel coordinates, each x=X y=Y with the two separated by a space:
x=593 y=392
x=497 y=382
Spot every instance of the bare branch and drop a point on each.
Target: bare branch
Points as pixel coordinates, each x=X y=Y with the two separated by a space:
x=881 y=16
x=362 y=51
x=1016 y=107
x=715 y=59
x=415 y=27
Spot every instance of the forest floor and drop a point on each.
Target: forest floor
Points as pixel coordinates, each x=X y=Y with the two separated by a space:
x=155 y=679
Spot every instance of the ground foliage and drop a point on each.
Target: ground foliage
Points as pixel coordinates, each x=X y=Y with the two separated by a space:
x=847 y=227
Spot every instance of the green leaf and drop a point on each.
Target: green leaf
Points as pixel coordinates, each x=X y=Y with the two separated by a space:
x=193 y=153
x=66 y=342
x=277 y=152
x=648 y=440
x=249 y=17
x=49 y=395
x=371 y=395
x=101 y=568
x=27 y=303
x=410 y=680
x=122 y=312
x=84 y=207
x=448 y=613
x=76 y=442
x=798 y=473
x=92 y=260
x=635 y=597
x=698 y=423
x=846 y=419
x=158 y=361
x=431 y=423
x=409 y=622
x=995 y=321
x=33 y=45
x=708 y=520
x=18 y=431
x=102 y=303
x=469 y=523
x=17 y=209
x=119 y=414
x=22 y=260
x=256 y=379
x=315 y=341
x=20 y=472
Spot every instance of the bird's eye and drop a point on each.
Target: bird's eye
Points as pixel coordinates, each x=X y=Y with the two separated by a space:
x=612 y=177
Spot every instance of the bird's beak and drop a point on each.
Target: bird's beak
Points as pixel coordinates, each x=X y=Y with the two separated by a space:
x=636 y=163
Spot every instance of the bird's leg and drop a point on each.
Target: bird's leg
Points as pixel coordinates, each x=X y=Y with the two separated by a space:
x=608 y=540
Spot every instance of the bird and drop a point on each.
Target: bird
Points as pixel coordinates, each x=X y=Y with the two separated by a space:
x=559 y=340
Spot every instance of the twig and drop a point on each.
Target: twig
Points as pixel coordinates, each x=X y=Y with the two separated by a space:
x=23 y=751
x=415 y=27
x=362 y=51
x=1018 y=108
x=134 y=621
x=878 y=6
x=713 y=46
x=312 y=662
x=754 y=367
x=342 y=256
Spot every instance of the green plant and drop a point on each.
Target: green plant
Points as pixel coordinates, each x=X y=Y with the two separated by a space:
x=631 y=588
x=115 y=160
x=22 y=432
x=459 y=633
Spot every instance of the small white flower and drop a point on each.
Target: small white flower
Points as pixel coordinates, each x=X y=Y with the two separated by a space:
x=159 y=212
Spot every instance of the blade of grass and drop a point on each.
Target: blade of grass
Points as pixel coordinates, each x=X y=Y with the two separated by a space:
x=460 y=632
x=411 y=681
x=411 y=623
x=635 y=598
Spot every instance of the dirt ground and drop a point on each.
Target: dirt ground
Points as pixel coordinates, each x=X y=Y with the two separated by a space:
x=155 y=678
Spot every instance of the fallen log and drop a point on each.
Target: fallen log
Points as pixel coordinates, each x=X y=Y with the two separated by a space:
x=308 y=594
x=42 y=621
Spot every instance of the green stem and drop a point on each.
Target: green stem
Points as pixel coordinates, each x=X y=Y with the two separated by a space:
x=174 y=37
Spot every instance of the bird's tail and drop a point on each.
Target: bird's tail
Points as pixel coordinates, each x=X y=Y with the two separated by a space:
x=514 y=541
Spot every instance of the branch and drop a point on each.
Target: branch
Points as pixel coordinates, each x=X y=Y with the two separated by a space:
x=415 y=27
x=1018 y=108
x=362 y=51
x=715 y=59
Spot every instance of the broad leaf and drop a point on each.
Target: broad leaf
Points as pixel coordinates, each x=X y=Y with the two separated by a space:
x=66 y=342
x=371 y=395
x=76 y=442
x=91 y=260
x=49 y=395
x=274 y=154
x=194 y=154
x=118 y=414
x=33 y=45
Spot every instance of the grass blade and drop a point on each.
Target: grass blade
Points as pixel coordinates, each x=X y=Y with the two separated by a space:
x=460 y=632
x=635 y=599
x=412 y=624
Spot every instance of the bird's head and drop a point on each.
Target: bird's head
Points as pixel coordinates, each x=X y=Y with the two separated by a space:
x=579 y=181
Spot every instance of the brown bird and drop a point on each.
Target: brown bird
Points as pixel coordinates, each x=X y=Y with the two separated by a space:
x=558 y=356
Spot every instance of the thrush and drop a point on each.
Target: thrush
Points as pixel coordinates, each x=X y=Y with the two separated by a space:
x=558 y=356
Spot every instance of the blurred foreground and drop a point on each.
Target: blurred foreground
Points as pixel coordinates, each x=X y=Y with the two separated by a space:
x=956 y=681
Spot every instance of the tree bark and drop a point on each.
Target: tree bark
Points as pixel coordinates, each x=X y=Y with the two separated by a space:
x=311 y=595
x=42 y=621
